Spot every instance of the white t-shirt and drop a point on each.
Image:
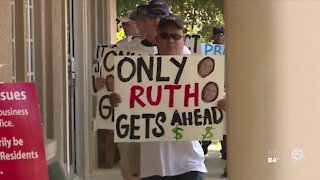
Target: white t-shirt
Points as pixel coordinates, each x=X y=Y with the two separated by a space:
x=185 y=50
x=130 y=152
x=128 y=44
x=171 y=158
x=135 y=45
x=124 y=41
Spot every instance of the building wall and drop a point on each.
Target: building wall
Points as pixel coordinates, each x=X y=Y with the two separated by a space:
x=272 y=88
x=49 y=57
x=103 y=31
x=5 y=39
x=272 y=80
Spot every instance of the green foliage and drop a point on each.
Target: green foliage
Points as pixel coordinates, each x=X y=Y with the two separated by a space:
x=126 y=5
x=199 y=16
x=120 y=34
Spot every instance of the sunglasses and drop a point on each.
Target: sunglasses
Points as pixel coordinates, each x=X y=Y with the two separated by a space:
x=154 y=15
x=174 y=36
x=127 y=23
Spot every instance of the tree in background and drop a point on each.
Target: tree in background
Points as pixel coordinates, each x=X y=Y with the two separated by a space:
x=199 y=16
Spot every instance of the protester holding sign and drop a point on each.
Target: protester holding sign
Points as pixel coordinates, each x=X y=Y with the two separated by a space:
x=218 y=38
x=130 y=152
x=128 y=23
x=141 y=13
x=159 y=9
x=156 y=9
x=218 y=35
x=167 y=160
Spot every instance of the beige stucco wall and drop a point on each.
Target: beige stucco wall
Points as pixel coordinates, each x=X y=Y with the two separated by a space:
x=272 y=74
x=5 y=39
x=105 y=19
x=50 y=59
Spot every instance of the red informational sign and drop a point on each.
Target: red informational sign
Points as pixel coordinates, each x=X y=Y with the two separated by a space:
x=22 y=154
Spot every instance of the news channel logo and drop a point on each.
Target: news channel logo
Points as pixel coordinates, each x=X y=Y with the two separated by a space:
x=297 y=154
x=273 y=156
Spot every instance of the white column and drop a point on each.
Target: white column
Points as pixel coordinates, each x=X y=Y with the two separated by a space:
x=111 y=24
x=5 y=39
x=273 y=70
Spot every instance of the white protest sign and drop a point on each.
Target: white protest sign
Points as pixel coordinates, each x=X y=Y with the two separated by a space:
x=101 y=52
x=168 y=98
x=212 y=49
x=193 y=43
x=104 y=68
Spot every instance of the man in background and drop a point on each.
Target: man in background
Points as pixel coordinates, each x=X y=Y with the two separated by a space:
x=218 y=35
x=218 y=38
x=169 y=160
x=128 y=23
x=151 y=14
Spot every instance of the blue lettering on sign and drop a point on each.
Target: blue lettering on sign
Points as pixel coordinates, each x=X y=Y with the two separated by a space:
x=213 y=49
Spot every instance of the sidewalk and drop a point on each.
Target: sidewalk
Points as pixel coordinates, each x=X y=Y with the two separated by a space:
x=214 y=164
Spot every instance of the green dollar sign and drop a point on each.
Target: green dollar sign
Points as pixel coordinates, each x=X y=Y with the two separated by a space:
x=176 y=130
x=208 y=134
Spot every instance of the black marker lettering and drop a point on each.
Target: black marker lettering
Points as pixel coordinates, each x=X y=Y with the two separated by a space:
x=161 y=116
x=197 y=116
x=120 y=64
x=105 y=59
x=214 y=115
x=148 y=70
x=207 y=117
x=180 y=66
x=187 y=117
x=176 y=118
x=159 y=66
x=148 y=117
x=133 y=127
x=104 y=107
x=124 y=126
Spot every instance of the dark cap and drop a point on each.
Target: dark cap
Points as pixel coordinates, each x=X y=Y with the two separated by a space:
x=159 y=5
x=172 y=19
x=128 y=17
x=218 y=30
x=140 y=8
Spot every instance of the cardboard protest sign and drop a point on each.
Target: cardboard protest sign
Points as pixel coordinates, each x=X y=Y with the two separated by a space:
x=212 y=49
x=168 y=98
x=193 y=43
x=103 y=70
x=215 y=49
x=102 y=51
x=22 y=154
